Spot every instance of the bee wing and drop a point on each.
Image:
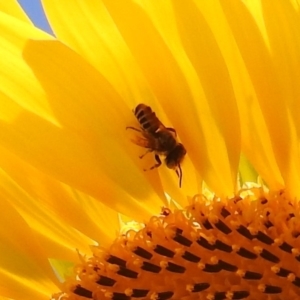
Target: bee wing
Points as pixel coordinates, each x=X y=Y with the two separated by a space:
x=145 y=141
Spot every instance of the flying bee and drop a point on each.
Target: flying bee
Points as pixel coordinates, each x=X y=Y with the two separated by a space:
x=158 y=139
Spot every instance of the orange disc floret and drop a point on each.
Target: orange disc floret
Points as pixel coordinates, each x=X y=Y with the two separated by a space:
x=243 y=247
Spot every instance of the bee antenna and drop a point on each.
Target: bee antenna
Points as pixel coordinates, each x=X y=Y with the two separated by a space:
x=179 y=174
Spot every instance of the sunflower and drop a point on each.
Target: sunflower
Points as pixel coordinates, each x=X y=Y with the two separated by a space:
x=81 y=219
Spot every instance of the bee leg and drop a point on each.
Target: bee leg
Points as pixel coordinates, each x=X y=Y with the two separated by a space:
x=156 y=156
x=148 y=151
x=172 y=130
x=156 y=165
x=179 y=174
x=133 y=128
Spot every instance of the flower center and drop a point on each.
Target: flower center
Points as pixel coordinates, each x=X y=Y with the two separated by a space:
x=244 y=247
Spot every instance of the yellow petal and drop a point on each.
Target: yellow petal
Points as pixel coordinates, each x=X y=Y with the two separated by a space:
x=282 y=25
x=56 y=235
x=21 y=254
x=91 y=32
x=202 y=130
x=87 y=119
x=46 y=195
x=222 y=134
x=266 y=86
x=173 y=81
x=255 y=137
x=19 y=287
x=157 y=63
x=13 y=8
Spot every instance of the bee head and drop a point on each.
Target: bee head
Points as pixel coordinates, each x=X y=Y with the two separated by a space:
x=175 y=156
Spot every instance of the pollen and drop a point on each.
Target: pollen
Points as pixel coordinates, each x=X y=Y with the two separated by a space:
x=242 y=247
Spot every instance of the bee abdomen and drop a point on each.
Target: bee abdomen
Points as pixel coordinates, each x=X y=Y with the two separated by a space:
x=147 y=118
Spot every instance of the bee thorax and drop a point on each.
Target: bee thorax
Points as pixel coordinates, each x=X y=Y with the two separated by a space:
x=166 y=140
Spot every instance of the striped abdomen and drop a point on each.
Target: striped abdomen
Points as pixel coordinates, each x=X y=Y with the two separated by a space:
x=147 y=118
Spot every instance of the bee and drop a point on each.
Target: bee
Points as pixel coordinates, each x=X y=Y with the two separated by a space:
x=158 y=139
